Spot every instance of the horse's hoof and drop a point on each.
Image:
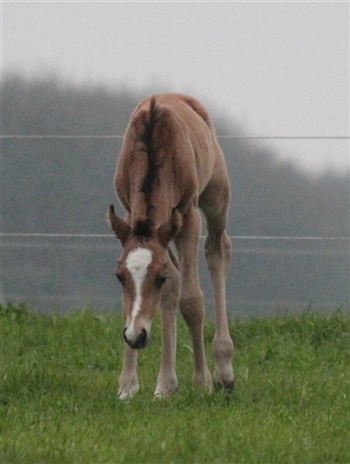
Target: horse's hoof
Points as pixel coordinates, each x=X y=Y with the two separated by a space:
x=227 y=386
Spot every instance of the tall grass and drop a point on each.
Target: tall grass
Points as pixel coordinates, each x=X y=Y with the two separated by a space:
x=59 y=405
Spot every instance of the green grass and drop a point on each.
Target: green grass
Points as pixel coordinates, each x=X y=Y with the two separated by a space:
x=59 y=405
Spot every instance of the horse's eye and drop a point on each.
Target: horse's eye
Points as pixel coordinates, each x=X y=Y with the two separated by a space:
x=160 y=281
x=120 y=277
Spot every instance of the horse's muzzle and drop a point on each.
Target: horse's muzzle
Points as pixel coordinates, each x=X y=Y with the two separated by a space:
x=140 y=342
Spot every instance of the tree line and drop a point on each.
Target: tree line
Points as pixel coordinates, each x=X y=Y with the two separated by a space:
x=66 y=185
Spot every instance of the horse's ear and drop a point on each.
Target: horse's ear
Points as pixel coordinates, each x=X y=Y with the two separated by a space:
x=121 y=229
x=169 y=229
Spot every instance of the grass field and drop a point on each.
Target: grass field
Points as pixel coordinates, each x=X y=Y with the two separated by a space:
x=59 y=405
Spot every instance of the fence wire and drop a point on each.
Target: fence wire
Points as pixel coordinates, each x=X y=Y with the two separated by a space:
x=233 y=237
x=234 y=137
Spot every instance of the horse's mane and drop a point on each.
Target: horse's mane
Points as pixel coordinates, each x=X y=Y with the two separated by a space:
x=144 y=227
x=151 y=177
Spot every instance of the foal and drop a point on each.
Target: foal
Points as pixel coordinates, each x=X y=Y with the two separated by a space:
x=169 y=167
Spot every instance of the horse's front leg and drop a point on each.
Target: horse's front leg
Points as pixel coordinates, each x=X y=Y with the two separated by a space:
x=167 y=381
x=128 y=380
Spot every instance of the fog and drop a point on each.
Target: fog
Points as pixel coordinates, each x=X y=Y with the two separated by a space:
x=272 y=68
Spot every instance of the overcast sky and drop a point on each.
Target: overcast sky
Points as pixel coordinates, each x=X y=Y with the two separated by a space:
x=273 y=68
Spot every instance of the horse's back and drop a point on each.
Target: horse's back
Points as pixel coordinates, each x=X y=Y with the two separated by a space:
x=187 y=132
x=183 y=138
x=180 y=103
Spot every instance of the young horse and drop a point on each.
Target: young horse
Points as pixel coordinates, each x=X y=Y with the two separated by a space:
x=170 y=165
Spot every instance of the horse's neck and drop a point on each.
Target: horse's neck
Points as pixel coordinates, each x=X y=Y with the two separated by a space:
x=157 y=212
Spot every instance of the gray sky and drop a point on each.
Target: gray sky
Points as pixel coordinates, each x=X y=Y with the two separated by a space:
x=273 y=68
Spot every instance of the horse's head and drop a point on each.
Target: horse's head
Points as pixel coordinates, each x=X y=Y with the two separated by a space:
x=143 y=269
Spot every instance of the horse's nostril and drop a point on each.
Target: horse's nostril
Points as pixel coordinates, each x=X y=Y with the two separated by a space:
x=142 y=339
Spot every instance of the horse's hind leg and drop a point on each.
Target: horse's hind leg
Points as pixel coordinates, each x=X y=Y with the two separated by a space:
x=217 y=252
x=191 y=297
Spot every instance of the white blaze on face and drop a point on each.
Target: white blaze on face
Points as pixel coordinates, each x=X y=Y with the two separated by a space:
x=137 y=263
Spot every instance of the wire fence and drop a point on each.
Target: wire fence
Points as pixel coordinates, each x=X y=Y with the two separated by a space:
x=233 y=237
x=63 y=272
x=118 y=136
x=234 y=137
x=270 y=272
